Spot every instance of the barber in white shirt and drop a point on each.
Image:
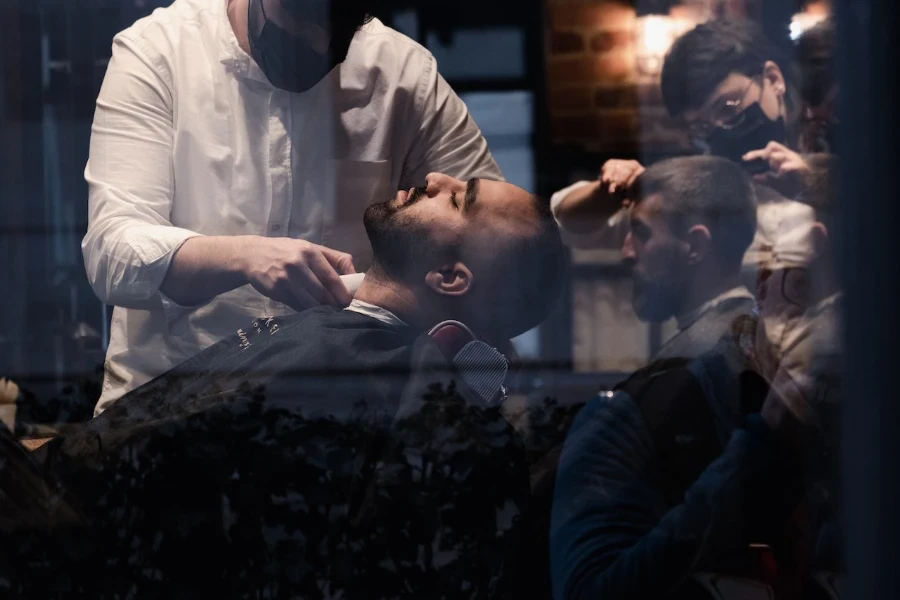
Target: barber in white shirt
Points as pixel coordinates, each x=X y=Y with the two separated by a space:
x=235 y=147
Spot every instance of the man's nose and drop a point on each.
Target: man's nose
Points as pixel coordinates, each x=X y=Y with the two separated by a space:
x=628 y=255
x=438 y=182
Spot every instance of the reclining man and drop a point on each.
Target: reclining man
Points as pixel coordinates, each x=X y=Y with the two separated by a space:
x=338 y=451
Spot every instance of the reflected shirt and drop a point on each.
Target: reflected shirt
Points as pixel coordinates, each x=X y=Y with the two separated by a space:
x=689 y=318
x=190 y=139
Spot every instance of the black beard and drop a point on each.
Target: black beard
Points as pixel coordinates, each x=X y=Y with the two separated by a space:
x=396 y=241
x=655 y=301
x=660 y=296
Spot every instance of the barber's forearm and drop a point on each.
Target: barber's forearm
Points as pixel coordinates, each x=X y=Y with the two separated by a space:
x=583 y=210
x=205 y=267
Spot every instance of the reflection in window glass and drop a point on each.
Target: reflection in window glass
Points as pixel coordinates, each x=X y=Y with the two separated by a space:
x=482 y=54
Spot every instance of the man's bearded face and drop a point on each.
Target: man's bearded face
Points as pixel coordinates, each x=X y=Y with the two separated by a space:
x=660 y=277
x=659 y=261
x=399 y=240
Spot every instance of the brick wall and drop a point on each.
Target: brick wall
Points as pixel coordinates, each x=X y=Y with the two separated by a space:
x=599 y=101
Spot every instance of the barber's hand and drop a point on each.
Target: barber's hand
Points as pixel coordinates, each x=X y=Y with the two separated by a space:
x=788 y=173
x=298 y=273
x=617 y=176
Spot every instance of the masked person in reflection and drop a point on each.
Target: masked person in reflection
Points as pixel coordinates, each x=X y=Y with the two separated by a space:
x=797 y=347
x=818 y=89
x=732 y=91
x=234 y=147
x=672 y=473
x=339 y=451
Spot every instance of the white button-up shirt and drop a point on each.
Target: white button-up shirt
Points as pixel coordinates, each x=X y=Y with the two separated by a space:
x=190 y=139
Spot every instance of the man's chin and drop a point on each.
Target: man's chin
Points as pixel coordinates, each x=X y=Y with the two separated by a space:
x=651 y=312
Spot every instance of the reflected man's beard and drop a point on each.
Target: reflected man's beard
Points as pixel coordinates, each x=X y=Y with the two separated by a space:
x=658 y=296
x=656 y=300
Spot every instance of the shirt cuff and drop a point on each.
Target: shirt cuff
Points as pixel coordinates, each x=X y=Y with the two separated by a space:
x=155 y=246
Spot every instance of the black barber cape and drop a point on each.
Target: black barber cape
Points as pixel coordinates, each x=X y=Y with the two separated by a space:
x=322 y=455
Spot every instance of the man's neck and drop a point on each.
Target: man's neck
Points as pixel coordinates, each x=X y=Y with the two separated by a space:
x=708 y=289
x=381 y=292
x=237 y=16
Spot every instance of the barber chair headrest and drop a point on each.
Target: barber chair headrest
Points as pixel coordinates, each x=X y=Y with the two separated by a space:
x=482 y=367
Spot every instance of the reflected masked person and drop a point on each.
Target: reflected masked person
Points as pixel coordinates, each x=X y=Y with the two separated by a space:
x=735 y=94
x=797 y=348
x=818 y=88
x=731 y=90
x=234 y=147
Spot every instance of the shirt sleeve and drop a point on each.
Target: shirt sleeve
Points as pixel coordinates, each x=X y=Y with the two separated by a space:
x=612 y=535
x=130 y=239
x=611 y=235
x=445 y=137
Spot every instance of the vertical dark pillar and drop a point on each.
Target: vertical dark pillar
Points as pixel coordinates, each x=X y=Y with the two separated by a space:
x=776 y=22
x=869 y=216
x=21 y=175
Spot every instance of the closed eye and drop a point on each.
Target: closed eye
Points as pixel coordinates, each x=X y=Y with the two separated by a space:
x=640 y=230
x=453 y=200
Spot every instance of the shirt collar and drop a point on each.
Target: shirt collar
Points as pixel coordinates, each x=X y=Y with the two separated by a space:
x=375 y=312
x=231 y=54
x=687 y=319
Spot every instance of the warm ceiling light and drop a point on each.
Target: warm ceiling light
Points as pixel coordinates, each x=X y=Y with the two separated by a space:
x=809 y=18
x=655 y=34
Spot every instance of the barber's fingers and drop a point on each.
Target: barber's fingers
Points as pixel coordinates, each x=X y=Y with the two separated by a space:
x=765 y=153
x=327 y=280
x=778 y=163
x=341 y=261
x=637 y=172
x=304 y=287
x=620 y=174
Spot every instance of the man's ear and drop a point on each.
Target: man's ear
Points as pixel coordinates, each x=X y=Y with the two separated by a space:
x=699 y=242
x=450 y=280
x=772 y=73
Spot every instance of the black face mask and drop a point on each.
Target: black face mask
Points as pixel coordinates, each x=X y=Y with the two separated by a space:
x=754 y=133
x=289 y=62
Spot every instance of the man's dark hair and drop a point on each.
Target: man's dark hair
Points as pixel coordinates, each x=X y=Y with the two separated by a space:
x=704 y=57
x=705 y=189
x=529 y=274
x=815 y=52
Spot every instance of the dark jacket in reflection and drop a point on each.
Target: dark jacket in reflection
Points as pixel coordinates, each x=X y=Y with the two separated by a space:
x=669 y=474
x=324 y=455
